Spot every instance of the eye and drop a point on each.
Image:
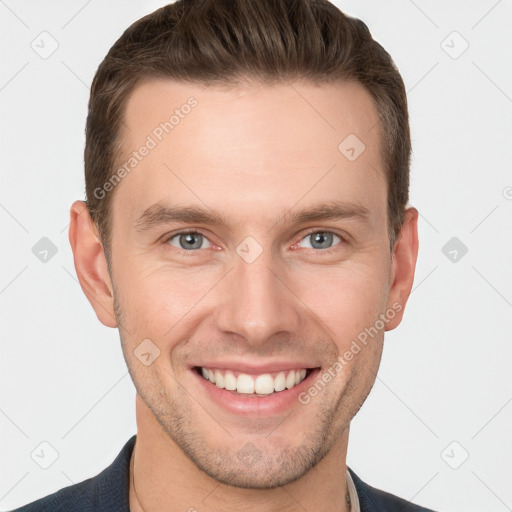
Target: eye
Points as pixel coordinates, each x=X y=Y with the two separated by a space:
x=320 y=240
x=189 y=240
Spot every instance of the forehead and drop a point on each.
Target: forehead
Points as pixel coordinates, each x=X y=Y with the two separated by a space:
x=266 y=146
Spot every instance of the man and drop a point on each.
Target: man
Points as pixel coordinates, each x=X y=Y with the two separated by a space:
x=247 y=231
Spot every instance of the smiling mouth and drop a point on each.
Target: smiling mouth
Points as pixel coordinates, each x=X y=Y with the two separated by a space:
x=259 y=385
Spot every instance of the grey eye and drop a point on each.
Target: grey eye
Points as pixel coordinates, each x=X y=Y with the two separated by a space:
x=320 y=240
x=188 y=241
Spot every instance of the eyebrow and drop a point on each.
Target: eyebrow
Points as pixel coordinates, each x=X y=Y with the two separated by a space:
x=159 y=214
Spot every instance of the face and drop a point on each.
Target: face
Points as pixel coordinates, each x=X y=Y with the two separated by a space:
x=250 y=247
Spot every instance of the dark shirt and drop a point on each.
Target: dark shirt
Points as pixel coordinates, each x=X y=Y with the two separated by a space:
x=108 y=492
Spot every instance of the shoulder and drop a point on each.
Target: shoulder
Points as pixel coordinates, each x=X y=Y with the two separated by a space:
x=77 y=497
x=107 y=491
x=376 y=500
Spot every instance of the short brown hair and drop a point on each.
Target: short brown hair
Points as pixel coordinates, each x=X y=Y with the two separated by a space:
x=232 y=41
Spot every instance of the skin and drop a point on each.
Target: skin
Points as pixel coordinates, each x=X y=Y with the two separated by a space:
x=252 y=154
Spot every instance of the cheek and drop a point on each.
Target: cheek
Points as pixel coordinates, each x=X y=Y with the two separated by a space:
x=154 y=302
x=346 y=298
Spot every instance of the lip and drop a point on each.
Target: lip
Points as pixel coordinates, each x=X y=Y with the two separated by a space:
x=250 y=405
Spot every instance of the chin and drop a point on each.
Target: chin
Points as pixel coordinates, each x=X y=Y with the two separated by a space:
x=258 y=465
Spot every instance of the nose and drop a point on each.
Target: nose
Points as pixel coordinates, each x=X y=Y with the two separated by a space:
x=256 y=302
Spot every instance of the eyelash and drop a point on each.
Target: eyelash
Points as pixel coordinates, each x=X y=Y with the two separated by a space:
x=184 y=252
x=328 y=250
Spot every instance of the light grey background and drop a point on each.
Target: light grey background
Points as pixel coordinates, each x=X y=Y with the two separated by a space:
x=444 y=390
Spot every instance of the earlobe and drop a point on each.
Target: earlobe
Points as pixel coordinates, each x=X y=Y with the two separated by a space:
x=405 y=254
x=90 y=263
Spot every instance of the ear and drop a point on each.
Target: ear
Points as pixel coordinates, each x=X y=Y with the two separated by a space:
x=405 y=254
x=90 y=263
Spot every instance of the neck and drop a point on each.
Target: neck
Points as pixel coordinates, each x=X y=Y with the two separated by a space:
x=162 y=477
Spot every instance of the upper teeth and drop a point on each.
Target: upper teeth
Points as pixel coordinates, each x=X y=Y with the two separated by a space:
x=263 y=384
